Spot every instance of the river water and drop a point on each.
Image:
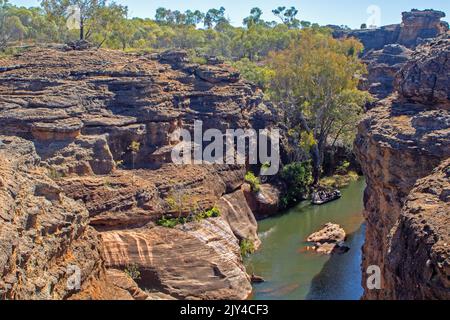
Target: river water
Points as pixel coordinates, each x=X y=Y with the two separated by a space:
x=294 y=273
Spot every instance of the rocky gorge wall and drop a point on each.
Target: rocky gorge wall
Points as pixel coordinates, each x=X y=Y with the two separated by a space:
x=403 y=145
x=416 y=27
x=388 y=48
x=79 y=112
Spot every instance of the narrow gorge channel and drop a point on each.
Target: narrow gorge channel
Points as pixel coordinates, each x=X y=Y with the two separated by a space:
x=294 y=273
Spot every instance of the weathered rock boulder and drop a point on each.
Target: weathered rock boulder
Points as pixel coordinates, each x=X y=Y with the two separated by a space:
x=264 y=203
x=425 y=78
x=214 y=74
x=401 y=141
x=78 y=45
x=382 y=67
x=329 y=240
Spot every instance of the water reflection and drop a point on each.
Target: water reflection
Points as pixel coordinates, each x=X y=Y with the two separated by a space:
x=294 y=273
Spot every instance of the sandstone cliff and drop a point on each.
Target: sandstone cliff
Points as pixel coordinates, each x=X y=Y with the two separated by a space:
x=417 y=26
x=383 y=66
x=388 y=48
x=80 y=111
x=42 y=231
x=402 y=140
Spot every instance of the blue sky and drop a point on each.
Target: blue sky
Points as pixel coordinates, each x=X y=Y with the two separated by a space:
x=349 y=12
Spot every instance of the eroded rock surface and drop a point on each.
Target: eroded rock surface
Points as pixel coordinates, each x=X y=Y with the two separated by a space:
x=402 y=140
x=194 y=261
x=382 y=67
x=264 y=203
x=44 y=235
x=329 y=240
x=417 y=26
x=103 y=124
x=420 y=249
x=425 y=78
x=388 y=48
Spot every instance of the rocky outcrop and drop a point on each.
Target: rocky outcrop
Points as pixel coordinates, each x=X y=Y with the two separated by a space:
x=417 y=26
x=400 y=142
x=55 y=96
x=425 y=78
x=48 y=250
x=388 y=48
x=103 y=124
x=329 y=240
x=264 y=203
x=420 y=249
x=383 y=66
x=45 y=240
x=194 y=261
x=127 y=199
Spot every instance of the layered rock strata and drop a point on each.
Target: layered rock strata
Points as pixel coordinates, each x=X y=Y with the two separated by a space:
x=402 y=140
x=417 y=26
x=103 y=125
x=388 y=48
x=45 y=239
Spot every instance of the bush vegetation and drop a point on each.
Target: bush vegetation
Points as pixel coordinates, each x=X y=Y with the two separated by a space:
x=253 y=181
x=133 y=272
x=247 y=247
x=173 y=222
x=339 y=180
x=297 y=177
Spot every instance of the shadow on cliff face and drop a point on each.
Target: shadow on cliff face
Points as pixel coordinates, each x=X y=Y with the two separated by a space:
x=341 y=277
x=150 y=281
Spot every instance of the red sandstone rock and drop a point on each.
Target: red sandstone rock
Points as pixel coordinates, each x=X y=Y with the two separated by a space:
x=81 y=110
x=401 y=141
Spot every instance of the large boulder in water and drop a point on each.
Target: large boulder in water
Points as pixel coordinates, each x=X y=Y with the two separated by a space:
x=329 y=240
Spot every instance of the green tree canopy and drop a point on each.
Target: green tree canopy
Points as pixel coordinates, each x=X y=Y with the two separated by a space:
x=11 y=27
x=85 y=10
x=315 y=81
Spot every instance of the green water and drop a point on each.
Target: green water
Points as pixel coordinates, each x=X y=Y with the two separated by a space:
x=294 y=273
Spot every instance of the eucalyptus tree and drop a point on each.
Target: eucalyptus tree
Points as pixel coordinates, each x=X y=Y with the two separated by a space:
x=315 y=80
x=84 y=11
x=287 y=16
x=11 y=27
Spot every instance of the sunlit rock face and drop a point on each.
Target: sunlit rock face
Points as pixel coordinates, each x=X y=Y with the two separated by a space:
x=43 y=232
x=80 y=110
x=383 y=66
x=417 y=26
x=402 y=140
x=195 y=261
x=388 y=48
x=420 y=245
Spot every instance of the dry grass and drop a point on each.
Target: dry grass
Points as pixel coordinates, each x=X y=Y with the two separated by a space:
x=339 y=181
